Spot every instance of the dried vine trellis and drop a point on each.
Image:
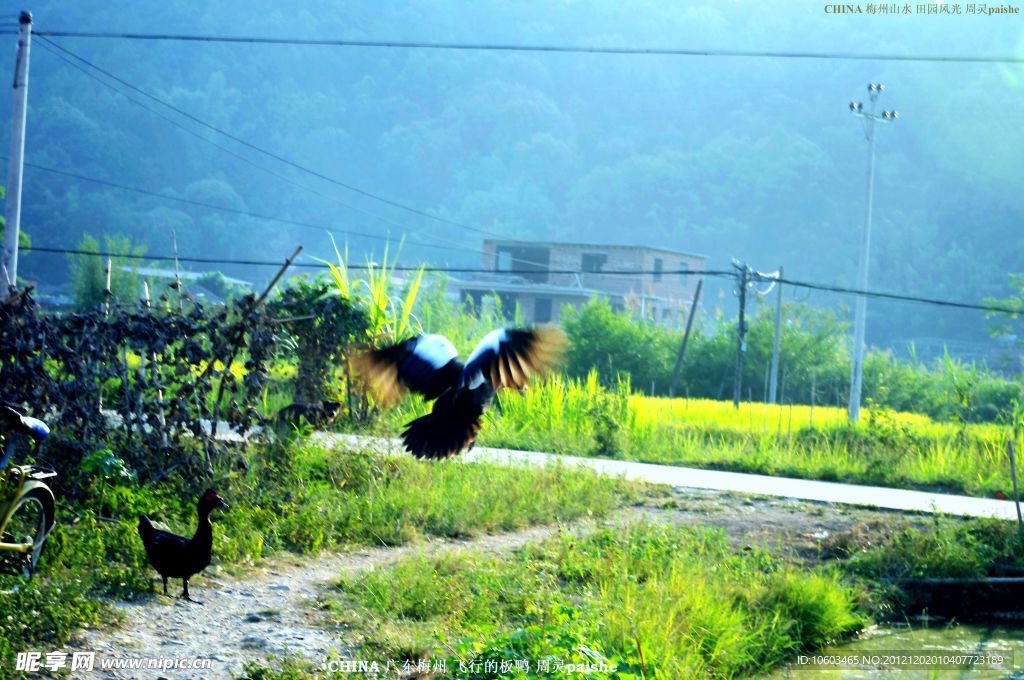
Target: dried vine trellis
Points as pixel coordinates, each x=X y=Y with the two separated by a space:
x=152 y=383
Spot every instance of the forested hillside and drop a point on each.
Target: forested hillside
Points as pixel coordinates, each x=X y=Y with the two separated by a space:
x=757 y=159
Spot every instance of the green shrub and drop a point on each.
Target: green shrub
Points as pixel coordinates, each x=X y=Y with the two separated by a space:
x=615 y=345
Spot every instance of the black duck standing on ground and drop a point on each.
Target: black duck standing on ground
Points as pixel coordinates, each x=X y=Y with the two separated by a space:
x=429 y=365
x=176 y=556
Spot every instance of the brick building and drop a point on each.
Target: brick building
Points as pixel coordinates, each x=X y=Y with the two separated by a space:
x=545 y=275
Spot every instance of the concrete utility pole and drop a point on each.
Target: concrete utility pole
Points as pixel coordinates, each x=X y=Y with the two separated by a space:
x=860 y=315
x=9 y=266
x=773 y=384
x=741 y=331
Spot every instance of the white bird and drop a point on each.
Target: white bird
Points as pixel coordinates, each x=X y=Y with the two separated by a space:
x=429 y=365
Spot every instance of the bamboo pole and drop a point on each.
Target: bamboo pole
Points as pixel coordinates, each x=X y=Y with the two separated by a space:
x=154 y=374
x=1013 y=475
x=239 y=334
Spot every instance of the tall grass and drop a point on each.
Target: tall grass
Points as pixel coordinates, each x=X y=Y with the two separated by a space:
x=581 y=417
x=679 y=596
x=389 y=315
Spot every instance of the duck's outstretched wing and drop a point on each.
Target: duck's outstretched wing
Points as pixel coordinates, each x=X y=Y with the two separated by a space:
x=511 y=357
x=426 y=364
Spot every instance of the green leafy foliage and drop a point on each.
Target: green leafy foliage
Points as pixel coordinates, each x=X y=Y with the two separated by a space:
x=389 y=316
x=321 y=325
x=280 y=668
x=1006 y=324
x=88 y=272
x=814 y=365
x=615 y=344
x=581 y=417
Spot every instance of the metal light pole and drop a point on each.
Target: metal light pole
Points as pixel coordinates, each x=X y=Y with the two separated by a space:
x=9 y=264
x=869 y=118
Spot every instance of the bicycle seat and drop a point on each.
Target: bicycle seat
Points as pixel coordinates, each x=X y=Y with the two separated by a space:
x=33 y=427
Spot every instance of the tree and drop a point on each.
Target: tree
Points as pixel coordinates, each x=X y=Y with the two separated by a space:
x=88 y=275
x=24 y=241
x=323 y=325
x=1015 y=302
x=615 y=344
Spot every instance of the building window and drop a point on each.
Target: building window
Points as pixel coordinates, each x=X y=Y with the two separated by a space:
x=594 y=262
x=529 y=262
x=542 y=310
x=658 y=266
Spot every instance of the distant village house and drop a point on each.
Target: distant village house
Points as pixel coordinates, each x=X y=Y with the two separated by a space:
x=543 y=276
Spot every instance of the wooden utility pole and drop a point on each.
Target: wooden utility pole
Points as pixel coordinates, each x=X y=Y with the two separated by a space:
x=741 y=332
x=773 y=380
x=686 y=339
x=17 y=156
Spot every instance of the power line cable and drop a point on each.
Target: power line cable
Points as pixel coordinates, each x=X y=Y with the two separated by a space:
x=455 y=245
x=226 y=150
x=899 y=297
x=510 y=47
x=236 y=211
x=271 y=154
x=719 y=273
x=321 y=265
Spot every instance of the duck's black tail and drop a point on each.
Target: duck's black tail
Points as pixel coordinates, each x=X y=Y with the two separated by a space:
x=448 y=429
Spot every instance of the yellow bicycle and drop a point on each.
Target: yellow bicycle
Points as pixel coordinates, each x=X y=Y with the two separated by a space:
x=27 y=506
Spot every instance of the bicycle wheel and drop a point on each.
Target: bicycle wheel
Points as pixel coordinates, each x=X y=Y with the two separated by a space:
x=31 y=522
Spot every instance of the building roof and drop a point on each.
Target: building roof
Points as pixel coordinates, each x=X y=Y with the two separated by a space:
x=603 y=246
x=496 y=286
x=158 y=273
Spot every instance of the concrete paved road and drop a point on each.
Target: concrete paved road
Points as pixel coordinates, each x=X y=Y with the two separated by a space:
x=803 y=489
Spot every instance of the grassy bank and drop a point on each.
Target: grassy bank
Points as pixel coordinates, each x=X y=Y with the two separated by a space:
x=665 y=601
x=886 y=448
x=301 y=498
x=653 y=600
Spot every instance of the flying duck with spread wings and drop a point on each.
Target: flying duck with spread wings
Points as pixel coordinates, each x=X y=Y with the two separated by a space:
x=429 y=365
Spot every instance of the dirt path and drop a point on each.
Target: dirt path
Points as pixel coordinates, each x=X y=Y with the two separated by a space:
x=269 y=610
